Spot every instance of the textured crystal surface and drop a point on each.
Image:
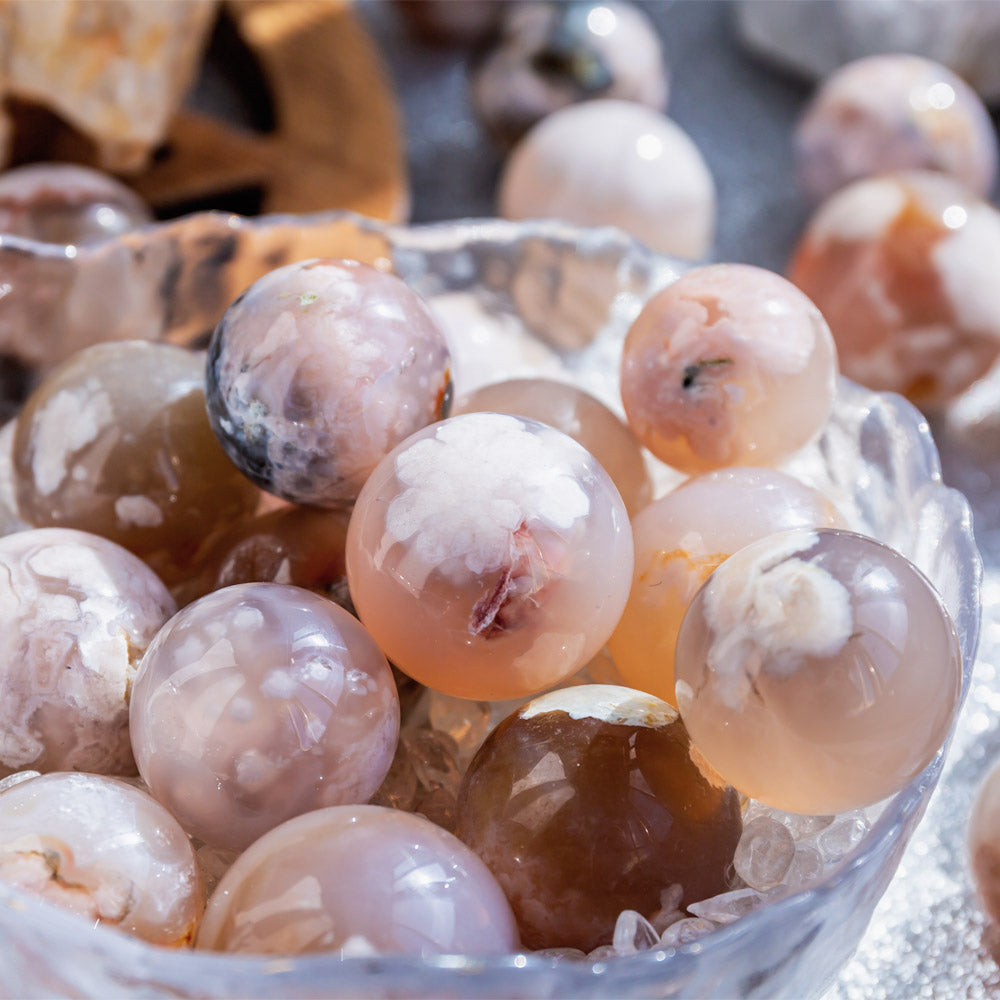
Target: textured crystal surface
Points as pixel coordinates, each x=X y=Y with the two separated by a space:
x=818 y=671
x=489 y=555
x=591 y=800
x=326 y=879
x=259 y=702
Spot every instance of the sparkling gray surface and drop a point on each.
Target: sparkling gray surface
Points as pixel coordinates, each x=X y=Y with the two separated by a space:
x=926 y=939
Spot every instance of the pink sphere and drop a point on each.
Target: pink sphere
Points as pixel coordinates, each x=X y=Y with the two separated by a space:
x=259 y=702
x=489 y=556
x=362 y=877
x=894 y=112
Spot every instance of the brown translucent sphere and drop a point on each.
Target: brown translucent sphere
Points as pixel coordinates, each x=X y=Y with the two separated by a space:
x=902 y=267
x=680 y=538
x=303 y=546
x=591 y=800
x=729 y=365
x=818 y=671
x=583 y=418
x=116 y=441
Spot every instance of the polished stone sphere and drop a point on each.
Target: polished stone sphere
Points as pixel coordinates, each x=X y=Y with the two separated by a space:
x=818 y=671
x=591 y=800
x=363 y=880
x=259 y=702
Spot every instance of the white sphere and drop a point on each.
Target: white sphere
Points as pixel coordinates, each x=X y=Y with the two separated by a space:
x=614 y=163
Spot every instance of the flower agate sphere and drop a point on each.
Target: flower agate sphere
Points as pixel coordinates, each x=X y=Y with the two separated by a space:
x=76 y=614
x=366 y=878
x=115 y=441
x=680 y=538
x=580 y=415
x=729 y=365
x=902 y=267
x=105 y=850
x=894 y=112
x=259 y=702
x=591 y=800
x=317 y=371
x=489 y=556
x=818 y=671
x=614 y=163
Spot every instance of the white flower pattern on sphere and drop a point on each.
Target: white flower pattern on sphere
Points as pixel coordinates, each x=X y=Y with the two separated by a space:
x=442 y=509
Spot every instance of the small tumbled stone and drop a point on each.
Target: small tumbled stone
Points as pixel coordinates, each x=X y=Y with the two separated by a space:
x=685 y=931
x=764 y=853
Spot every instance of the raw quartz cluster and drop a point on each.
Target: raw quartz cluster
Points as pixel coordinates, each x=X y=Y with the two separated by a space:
x=489 y=556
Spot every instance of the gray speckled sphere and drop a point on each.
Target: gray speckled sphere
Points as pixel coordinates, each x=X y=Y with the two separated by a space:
x=317 y=371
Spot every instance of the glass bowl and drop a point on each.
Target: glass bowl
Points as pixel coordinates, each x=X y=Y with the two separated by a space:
x=515 y=298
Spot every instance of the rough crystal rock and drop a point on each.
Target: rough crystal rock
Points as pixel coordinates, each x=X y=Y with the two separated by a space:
x=117 y=70
x=814 y=37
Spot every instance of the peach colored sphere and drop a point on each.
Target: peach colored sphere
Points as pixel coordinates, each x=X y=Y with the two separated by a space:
x=729 y=365
x=580 y=415
x=894 y=112
x=257 y=703
x=378 y=879
x=489 y=555
x=903 y=268
x=680 y=538
x=818 y=671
